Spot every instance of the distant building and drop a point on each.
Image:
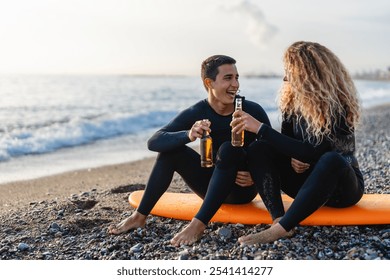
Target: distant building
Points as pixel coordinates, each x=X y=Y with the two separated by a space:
x=381 y=75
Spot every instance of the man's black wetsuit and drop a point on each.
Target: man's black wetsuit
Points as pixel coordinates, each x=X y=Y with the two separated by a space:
x=333 y=179
x=216 y=185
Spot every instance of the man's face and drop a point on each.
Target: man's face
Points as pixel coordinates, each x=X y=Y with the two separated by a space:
x=226 y=84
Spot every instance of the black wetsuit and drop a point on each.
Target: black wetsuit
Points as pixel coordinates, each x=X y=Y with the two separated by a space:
x=216 y=185
x=333 y=179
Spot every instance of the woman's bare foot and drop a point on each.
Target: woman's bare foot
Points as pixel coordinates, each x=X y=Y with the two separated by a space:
x=269 y=235
x=290 y=233
x=190 y=234
x=136 y=220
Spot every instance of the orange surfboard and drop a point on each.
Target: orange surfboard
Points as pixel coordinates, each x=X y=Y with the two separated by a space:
x=371 y=209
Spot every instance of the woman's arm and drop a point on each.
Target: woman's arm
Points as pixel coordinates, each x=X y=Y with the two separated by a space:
x=285 y=144
x=298 y=149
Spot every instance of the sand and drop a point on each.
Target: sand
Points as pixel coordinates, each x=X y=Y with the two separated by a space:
x=21 y=193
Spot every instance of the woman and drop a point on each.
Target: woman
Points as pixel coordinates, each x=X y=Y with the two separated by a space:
x=312 y=159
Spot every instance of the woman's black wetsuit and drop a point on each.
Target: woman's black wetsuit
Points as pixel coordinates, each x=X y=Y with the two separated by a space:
x=212 y=184
x=333 y=179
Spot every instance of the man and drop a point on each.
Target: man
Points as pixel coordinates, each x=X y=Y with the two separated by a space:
x=214 y=114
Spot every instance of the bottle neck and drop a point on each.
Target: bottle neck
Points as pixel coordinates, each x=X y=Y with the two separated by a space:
x=238 y=104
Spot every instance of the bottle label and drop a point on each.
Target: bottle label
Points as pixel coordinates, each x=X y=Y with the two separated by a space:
x=206 y=150
x=238 y=139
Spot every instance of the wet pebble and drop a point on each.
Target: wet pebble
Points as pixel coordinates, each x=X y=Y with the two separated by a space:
x=225 y=232
x=23 y=247
x=184 y=255
x=137 y=248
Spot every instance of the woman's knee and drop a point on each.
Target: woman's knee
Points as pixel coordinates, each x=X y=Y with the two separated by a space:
x=333 y=160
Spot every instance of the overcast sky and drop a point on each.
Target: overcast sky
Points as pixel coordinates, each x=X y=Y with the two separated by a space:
x=174 y=36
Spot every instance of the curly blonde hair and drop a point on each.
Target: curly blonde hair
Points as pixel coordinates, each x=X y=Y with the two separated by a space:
x=319 y=89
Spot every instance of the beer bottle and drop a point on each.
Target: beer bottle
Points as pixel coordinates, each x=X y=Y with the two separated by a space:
x=206 y=150
x=238 y=139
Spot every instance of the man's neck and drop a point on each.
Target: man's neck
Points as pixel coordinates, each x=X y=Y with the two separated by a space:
x=220 y=108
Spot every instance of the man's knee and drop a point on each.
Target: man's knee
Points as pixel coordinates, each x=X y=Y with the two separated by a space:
x=258 y=150
x=229 y=156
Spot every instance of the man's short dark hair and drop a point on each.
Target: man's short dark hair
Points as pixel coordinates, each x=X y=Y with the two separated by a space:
x=211 y=64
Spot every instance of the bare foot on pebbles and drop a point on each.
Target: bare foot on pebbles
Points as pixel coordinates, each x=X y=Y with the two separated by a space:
x=136 y=220
x=190 y=234
x=269 y=235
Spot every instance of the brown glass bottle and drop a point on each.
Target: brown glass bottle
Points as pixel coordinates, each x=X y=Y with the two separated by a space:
x=238 y=139
x=206 y=150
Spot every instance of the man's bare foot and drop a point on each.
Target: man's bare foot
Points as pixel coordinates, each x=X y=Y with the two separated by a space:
x=269 y=235
x=190 y=234
x=136 y=220
x=277 y=220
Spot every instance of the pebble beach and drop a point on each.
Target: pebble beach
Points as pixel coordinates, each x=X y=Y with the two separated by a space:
x=66 y=216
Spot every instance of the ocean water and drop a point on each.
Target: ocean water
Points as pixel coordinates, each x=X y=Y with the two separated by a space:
x=52 y=124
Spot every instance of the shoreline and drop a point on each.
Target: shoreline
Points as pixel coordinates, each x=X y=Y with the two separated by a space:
x=59 y=186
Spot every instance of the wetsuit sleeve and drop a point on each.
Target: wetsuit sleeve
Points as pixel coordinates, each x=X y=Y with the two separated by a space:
x=301 y=150
x=163 y=141
x=173 y=135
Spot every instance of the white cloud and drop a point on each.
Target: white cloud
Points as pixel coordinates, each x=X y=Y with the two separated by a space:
x=257 y=28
